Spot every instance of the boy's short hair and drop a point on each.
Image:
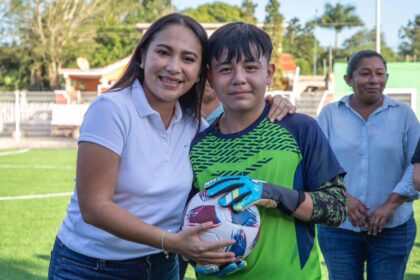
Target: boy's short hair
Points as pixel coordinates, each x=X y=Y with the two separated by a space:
x=239 y=39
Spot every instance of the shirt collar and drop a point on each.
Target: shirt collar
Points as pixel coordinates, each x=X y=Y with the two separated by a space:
x=142 y=104
x=388 y=102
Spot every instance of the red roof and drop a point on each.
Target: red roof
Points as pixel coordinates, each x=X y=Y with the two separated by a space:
x=287 y=63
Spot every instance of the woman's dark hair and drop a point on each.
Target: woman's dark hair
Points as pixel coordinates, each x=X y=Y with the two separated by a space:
x=191 y=100
x=237 y=39
x=354 y=60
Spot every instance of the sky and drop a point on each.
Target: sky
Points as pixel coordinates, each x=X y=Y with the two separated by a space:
x=394 y=15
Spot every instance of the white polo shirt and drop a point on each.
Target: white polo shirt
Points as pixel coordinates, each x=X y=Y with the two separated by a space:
x=155 y=174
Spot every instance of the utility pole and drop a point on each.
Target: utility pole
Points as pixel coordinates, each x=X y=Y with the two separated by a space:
x=378 y=26
x=315 y=52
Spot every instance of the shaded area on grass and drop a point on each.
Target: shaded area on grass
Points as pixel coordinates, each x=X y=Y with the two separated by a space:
x=412 y=276
x=44 y=257
x=18 y=270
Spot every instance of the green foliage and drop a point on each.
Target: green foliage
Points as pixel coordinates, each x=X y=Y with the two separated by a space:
x=248 y=14
x=14 y=68
x=364 y=40
x=215 y=12
x=51 y=34
x=305 y=66
x=113 y=43
x=338 y=17
x=410 y=33
x=51 y=31
x=301 y=43
x=147 y=10
x=273 y=25
x=117 y=35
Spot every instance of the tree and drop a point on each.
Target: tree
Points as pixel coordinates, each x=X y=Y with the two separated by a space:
x=248 y=14
x=273 y=25
x=302 y=44
x=117 y=35
x=147 y=10
x=55 y=32
x=338 y=17
x=14 y=67
x=215 y=12
x=51 y=31
x=365 y=40
x=410 y=33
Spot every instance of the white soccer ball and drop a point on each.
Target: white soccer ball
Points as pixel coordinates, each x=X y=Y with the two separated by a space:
x=243 y=227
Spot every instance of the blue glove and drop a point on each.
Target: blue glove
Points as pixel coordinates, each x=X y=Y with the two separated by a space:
x=215 y=270
x=242 y=192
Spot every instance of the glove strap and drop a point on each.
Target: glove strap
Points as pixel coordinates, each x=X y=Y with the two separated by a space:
x=287 y=200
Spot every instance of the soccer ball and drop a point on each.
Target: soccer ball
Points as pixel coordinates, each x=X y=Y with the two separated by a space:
x=243 y=227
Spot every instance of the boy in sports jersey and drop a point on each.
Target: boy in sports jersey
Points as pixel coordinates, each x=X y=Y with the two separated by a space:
x=286 y=168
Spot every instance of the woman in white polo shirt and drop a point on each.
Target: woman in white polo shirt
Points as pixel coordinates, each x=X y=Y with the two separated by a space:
x=133 y=171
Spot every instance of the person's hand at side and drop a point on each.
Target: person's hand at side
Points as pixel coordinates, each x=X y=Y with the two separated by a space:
x=383 y=213
x=416 y=176
x=358 y=212
x=280 y=107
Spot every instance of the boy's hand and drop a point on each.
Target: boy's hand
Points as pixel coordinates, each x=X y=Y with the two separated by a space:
x=243 y=192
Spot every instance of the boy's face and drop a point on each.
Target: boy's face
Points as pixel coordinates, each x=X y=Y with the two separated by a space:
x=240 y=86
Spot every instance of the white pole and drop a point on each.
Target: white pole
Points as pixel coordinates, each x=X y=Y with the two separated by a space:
x=378 y=26
x=17 y=117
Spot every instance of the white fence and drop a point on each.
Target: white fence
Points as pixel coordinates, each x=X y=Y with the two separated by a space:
x=21 y=105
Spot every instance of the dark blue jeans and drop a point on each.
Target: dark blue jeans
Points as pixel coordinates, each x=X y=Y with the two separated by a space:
x=386 y=254
x=67 y=264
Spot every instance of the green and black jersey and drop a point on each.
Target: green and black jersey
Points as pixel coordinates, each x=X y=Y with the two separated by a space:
x=292 y=153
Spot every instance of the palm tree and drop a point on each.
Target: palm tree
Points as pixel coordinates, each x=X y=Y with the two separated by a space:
x=338 y=17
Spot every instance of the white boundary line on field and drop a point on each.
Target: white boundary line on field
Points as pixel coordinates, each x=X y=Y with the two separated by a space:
x=35 y=196
x=22 y=151
x=35 y=166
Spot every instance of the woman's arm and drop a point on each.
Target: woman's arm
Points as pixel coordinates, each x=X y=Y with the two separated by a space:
x=281 y=106
x=416 y=176
x=97 y=171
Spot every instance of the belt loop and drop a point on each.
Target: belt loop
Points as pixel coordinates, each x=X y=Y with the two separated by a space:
x=59 y=243
x=148 y=260
x=100 y=264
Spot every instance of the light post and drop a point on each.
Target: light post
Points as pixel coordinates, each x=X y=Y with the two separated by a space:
x=378 y=26
x=315 y=51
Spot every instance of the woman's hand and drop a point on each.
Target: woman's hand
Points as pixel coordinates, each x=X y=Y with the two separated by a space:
x=383 y=213
x=281 y=106
x=358 y=212
x=188 y=244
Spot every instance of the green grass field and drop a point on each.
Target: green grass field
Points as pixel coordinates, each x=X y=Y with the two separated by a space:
x=28 y=227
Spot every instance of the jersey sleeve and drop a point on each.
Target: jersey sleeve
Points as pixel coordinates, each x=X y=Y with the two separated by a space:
x=105 y=124
x=319 y=161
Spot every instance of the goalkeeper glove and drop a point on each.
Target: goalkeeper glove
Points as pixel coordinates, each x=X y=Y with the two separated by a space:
x=242 y=192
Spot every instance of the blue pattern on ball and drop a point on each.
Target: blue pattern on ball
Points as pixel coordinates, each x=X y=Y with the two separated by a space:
x=239 y=247
x=246 y=218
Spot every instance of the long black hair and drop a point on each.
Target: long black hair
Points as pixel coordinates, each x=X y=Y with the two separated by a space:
x=191 y=100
